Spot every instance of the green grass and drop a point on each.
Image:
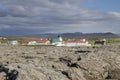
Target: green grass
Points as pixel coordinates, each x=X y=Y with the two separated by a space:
x=20 y=40
x=110 y=41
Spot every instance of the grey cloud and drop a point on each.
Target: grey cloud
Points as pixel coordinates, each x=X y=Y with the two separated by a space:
x=53 y=15
x=3 y=13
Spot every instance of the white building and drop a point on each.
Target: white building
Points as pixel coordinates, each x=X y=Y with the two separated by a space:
x=81 y=42
x=31 y=43
x=14 y=42
x=37 y=42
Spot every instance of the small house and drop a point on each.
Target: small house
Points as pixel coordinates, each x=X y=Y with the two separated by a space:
x=42 y=42
x=24 y=43
x=14 y=42
x=37 y=42
x=81 y=42
x=33 y=42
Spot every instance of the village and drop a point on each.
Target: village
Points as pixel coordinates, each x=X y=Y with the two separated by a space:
x=58 y=41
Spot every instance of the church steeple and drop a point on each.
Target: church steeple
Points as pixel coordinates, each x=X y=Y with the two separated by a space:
x=60 y=38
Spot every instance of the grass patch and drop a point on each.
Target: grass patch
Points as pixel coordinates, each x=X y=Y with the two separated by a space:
x=110 y=41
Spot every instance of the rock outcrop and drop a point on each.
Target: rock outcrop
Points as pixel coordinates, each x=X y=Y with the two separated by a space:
x=59 y=63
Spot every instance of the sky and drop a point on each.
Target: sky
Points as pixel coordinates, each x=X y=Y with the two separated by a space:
x=22 y=17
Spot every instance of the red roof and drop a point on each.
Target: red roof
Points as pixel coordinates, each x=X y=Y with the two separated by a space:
x=42 y=41
x=24 y=42
x=38 y=41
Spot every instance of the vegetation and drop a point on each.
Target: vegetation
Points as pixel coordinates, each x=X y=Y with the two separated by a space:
x=20 y=40
x=110 y=41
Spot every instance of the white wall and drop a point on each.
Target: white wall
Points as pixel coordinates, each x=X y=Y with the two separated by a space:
x=77 y=44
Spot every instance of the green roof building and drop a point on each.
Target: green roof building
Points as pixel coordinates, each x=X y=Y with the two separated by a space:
x=57 y=40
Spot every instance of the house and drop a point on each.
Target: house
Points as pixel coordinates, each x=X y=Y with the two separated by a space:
x=24 y=43
x=37 y=42
x=42 y=42
x=33 y=42
x=79 y=42
x=14 y=42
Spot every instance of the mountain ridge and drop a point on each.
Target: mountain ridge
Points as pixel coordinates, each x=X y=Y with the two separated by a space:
x=76 y=35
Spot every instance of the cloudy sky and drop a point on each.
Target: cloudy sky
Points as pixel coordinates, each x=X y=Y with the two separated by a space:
x=21 y=17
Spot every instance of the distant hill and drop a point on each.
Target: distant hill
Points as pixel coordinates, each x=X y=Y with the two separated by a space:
x=90 y=35
x=76 y=35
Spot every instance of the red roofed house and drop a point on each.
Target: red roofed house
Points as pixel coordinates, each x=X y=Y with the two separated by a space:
x=43 y=42
x=37 y=42
x=24 y=43
x=81 y=42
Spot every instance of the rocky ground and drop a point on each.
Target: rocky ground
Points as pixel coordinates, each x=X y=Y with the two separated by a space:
x=59 y=63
